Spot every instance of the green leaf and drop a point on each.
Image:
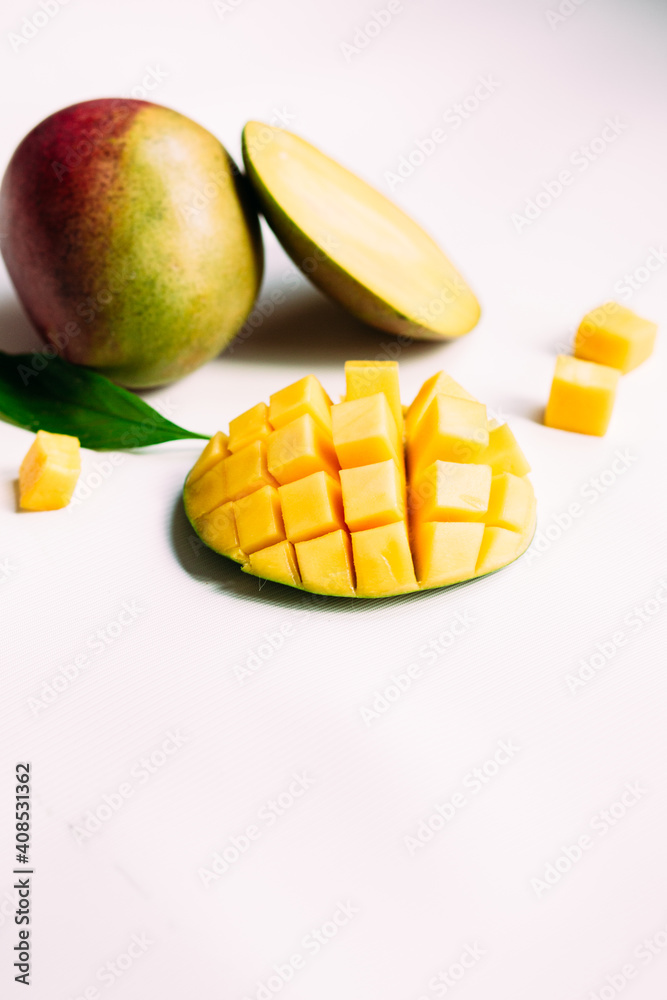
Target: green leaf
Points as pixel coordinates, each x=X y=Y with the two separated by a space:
x=41 y=392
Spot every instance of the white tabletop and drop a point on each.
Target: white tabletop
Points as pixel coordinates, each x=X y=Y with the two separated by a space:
x=353 y=883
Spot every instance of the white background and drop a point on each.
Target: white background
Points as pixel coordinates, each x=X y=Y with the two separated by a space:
x=67 y=575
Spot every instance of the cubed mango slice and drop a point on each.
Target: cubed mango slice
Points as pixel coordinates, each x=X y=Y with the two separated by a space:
x=253 y=425
x=216 y=449
x=364 y=432
x=365 y=378
x=615 y=336
x=312 y=506
x=446 y=551
x=452 y=429
x=277 y=563
x=300 y=448
x=217 y=529
x=328 y=511
x=49 y=472
x=451 y=491
x=326 y=564
x=373 y=495
x=582 y=396
x=259 y=519
x=304 y=396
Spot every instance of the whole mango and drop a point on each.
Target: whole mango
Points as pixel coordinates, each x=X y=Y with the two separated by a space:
x=131 y=239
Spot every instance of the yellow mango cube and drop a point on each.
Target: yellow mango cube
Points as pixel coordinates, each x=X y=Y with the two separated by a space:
x=451 y=491
x=311 y=506
x=217 y=529
x=503 y=453
x=452 y=429
x=277 y=563
x=304 y=396
x=326 y=564
x=216 y=449
x=247 y=471
x=499 y=547
x=373 y=495
x=300 y=448
x=439 y=384
x=615 y=336
x=510 y=502
x=208 y=491
x=49 y=472
x=383 y=561
x=259 y=519
x=364 y=432
x=365 y=378
x=253 y=425
x=582 y=396
x=446 y=551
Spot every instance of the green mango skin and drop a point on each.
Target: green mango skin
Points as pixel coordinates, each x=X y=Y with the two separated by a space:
x=131 y=239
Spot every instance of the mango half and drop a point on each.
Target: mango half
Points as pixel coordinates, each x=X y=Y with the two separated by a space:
x=352 y=242
x=361 y=498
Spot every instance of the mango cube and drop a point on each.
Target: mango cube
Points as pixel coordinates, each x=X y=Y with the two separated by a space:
x=383 y=561
x=373 y=495
x=216 y=449
x=499 y=547
x=451 y=491
x=311 y=506
x=326 y=564
x=208 y=491
x=582 y=396
x=277 y=563
x=503 y=453
x=246 y=471
x=615 y=336
x=304 y=396
x=217 y=529
x=253 y=425
x=439 y=384
x=446 y=552
x=364 y=432
x=365 y=378
x=49 y=472
x=300 y=448
x=510 y=502
x=452 y=430
x=259 y=519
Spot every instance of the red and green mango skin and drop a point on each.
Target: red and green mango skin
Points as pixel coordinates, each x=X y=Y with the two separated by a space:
x=131 y=239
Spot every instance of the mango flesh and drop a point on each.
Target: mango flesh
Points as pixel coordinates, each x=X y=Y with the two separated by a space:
x=322 y=503
x=353 y=243
x=49 y=472
x=130 y=239
x=582 y=396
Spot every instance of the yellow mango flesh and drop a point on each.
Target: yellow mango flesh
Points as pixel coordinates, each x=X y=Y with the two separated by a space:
x=49 y=472
x=582 y=396
x=615 y=336
x=320 y=500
